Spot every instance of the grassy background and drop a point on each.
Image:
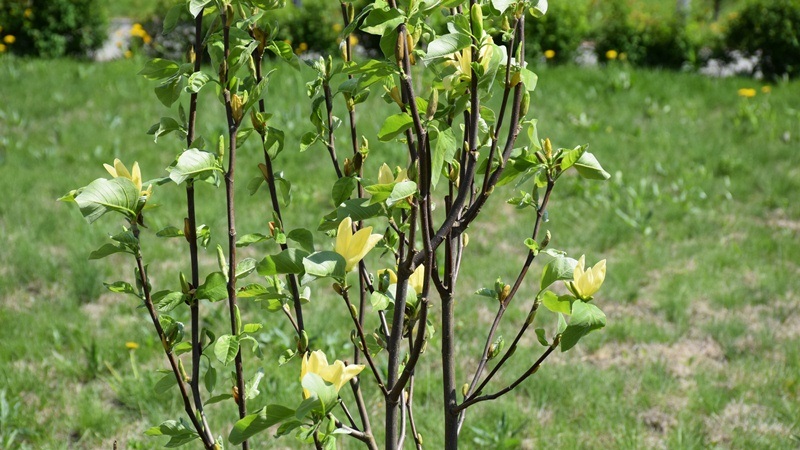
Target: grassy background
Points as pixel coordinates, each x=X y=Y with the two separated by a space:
x=698 y=224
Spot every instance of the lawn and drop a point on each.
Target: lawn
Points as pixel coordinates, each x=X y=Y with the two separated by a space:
x=698 y=224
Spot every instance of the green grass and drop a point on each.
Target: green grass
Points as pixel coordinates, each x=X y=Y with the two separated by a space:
x=698 y=224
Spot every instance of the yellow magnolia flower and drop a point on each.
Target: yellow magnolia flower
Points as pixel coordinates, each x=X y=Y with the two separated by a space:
x=135 y=175
x=611 y=54
x=392 y=275
x=385 y=175
x=353 y=247
x=337 y=373
x=462 y=61
x=586 y=282
x=746 y=92
x=549 y=54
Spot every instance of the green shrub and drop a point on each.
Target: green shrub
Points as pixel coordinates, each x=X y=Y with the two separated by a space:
x=561 y=31
x=52 y=28
x=644 y=40
x=314 y=26
x=770 y=28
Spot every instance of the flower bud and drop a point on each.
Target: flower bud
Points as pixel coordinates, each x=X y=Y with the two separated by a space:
x=236 y=108
x=465 y=390
x=504 y=293
x=187 y=230
x=351 y=12
x=476 y=14
x=400 y=49
x=433 y=104
x=548 y=148
x=546 y=240
x=337 y=288
x=525 y=103
x=184 y=284
x=516 y=77
x=353 y=311
x=172 y=335
x=496 y=347
x=235 y=394
x=410 y=48
x=259 y=124
x=505 y=26
x=302 y=342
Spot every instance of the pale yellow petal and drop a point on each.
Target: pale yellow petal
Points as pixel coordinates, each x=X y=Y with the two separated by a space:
x=111 y=170
x=136 y=176
x=578 y=271
x=385 y=175
x=417 y=279
x=392 y=275
x=122 y=171
x=349 y=373
x=343 y=237
x=361 y=243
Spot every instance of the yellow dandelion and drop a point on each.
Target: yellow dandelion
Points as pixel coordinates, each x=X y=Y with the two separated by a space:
x=353 y=40
x=28 y=13
x=147 y=39
x=337 y=27
x=766 y=89
x=612 y=55
x=2 y=48
x=746 y=92
x=128 y=54
x=549 y=54
x=130 y=345
x=10 y=39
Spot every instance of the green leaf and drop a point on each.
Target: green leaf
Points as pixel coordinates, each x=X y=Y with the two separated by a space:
x=159 y=69
x=196 y=6
x=285 y=52
x=303 y=237
x=287 y=261
x=571 y=157
x=342 y=189
x=170 y=231
x=308 y=139
x=557 y=303
x=170 y=91
x=447 y=45
x=253 y=424
x=171 y=19
x=559 y=268
x=586 y=318
x=102 y=196
x=193 y=163
x=165 y=126
x=528 y=78
x=178 y=431
x=121 y=287
x=401 y=191
x=380 y=20
x=107 y=249
x=502 y=5
x=215 y=288
x=540 y=9
x=165 y=384
x=196 y=82
x=532 y=245
x=379 y=301
x=210 y=378
x=325 y=264
x=324 y=391
x=588 y=167
x=218 y=398
x=541 y=337
x=226 y=348
x=245 y=267
x=443 y=151
x=252 y=238
x=166 y=301
x=394 y=125
x=251 y=388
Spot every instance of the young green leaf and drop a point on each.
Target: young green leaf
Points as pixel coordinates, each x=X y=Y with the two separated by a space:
x=586 y=317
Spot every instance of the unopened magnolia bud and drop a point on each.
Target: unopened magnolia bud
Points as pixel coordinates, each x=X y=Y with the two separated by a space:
x=337 y=288
x=464 y=240
x=348 y=167
x=505 y=26
x=410 y=48
x=343 y=49
x=354 y=338
x=433 y=104
x=271 y=226
x=235 y=394
x=548 y=148
x=187 y=230
x=400 y=49
x=358 y=162
x=525 y=103
x=353 y=311
x=351 y=12
x=259 y=124
x=516 y=77
x=173 y=335
x=465 y=390
x=191 y=56
x=329 y=66
x=476 y=14
x=364 y=149
x=395 y=94
x=541 y=157
x=236 y=107
x=331 y=426
x=221 y=147
x=496 y=347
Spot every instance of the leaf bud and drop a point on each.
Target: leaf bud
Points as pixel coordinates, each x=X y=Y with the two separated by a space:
x=476 y=16
x=351 y=12
x=229 y=15
x=184 y=284
x=236 y=108
x=259 y=123
x=329 y=66
x=464 y=240
x=364 y=149
x=395 y=94
x=337 y=288
x=187 y=230
x=496 y=347
x=353 y=311
x=465 y=390
x=516 y=77
x=348 y=167
x=505 y=26
x=221 y=147
x=331 y=426
x=358 y=162
x=525 y=103
x=419 y=438
x=546 y=240
x=235 y=394
x=172 y=335
x=354 y=339
x=302 y=342
x=433 y=104
x=504 y=293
